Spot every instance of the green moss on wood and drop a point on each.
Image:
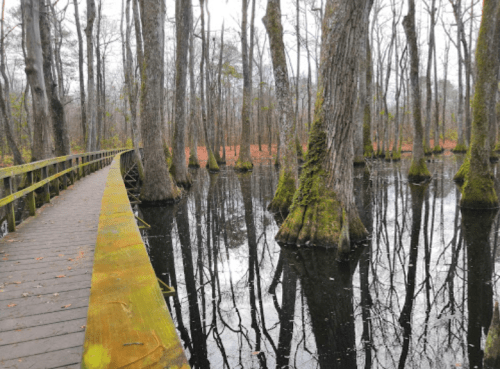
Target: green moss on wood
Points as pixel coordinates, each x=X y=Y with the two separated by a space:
x=316 y=214
x=492 y=347
x=283 y=197
x=359 y=161
x=478 y=192
x=463 y=170
x=387 y=156
x=437 y=149
x=193 y=162
x=460 y=148
x=427 y=150
x=212 y=165
x=243 y=166
x=418 y=171
x=396 y=155
x=497 y=147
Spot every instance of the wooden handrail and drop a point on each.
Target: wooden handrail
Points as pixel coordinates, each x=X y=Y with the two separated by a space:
x=128 y=322
x=70 y=164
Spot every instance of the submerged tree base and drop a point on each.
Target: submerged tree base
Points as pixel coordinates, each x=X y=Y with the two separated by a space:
x=462 y=171
x=478 y=192
x=437 y=149
x=396 y=155
x=427 y=150
x=284 y=195
x=387 y=156
x=359 y=161
x=243 y=166
x=418 y=171
x=212 y=165
x=459 y=149
x=193 y=162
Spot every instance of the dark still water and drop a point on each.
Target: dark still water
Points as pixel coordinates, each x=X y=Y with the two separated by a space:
x=418 y=294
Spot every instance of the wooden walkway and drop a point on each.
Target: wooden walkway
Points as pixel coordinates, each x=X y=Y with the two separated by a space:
x=45 y=278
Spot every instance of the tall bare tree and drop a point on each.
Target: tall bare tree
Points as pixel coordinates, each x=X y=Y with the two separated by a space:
x=80 y=70
x=34 y=71
x=182 y=24
x=244 y=162
x=91 y=101
x=193 y=153
x=158 y=184
x=323 y=212
x=478 y=190
x=56 y=108
x=288 y=173
x=418 y=168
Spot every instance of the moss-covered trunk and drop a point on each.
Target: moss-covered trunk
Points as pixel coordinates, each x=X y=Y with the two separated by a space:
x=323 y=211
x=288 y=173
x=158 y=184
x=478 y=190
x=418 y=168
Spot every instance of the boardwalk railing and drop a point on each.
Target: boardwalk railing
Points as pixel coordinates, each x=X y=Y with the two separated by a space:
x=63 y=168
x=128 y=323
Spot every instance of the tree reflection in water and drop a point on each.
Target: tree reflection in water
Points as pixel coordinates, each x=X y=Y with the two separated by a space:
x=417 y=294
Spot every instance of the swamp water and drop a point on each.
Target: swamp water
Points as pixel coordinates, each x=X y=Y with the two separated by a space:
x=418 y=294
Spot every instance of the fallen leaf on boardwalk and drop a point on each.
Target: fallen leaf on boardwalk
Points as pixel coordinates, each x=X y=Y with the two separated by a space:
x=5 y=259
x=255 y=352
x=10 y=240
x=61 y=276
x=56 y=294
x=16 y=282
x=1 y=290
x=40 y=258
x=69 y=268
x=83 y=327
x=66 y=306
x=11 y=305
x=70 y=259
x=25 y=294
x=61 y=255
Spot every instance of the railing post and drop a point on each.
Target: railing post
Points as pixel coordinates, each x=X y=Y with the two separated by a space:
x=83 y=168
x=56 y=181
x=46 y=187
x=78 y=174
x=64 y=177
x=31 y=196
x=72 y=173
x=11 y=215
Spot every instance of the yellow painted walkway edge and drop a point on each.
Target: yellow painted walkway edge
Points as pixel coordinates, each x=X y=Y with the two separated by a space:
x=128 y=323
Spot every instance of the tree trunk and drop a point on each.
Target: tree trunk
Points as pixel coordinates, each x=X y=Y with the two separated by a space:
x=56 y=108
x=367 y=111
x=428 y=82
x=418 y=168
x=478 y=190
x=193 y=155
x=460 y=146
x=288 y=173
x=158 y=184
x=99 y=87
x=80 y=71
x=34 y=71
x=91 y=104
x=244 y=162
x=132 y=91
x=182 y=23
x=212 y=163
x=323 y=213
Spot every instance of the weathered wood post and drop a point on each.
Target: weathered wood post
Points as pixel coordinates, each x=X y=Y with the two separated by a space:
x=56 y=181
x=46 y=187
x=72 y=173
x=11 y=216
x=30 y=197
x=65 y=176
x=83 y=168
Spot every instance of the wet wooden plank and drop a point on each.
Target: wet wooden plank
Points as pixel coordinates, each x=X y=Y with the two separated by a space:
x=44 y=331
x=41 y=316
x=67 y=358
x=42 y=319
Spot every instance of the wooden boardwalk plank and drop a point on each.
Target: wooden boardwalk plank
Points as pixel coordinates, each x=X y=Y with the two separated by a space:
x=67 y=358
x=41 y=316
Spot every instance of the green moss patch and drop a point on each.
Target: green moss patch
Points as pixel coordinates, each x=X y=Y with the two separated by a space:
x=459 y=149
x=462 y=172
x=418 y=171
x=478 y=192
x=396 y=155
x=212 y=165
x=283 y=197
x=243 y=166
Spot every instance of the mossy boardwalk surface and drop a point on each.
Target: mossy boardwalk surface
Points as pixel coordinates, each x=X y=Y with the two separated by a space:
x=45 y=279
